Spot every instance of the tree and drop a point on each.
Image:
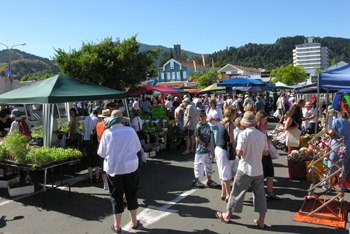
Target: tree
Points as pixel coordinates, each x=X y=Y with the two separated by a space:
x=116 y=65
x=204 y=79
x=289 y=75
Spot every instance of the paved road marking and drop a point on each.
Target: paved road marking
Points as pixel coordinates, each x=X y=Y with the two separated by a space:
x=153 y=214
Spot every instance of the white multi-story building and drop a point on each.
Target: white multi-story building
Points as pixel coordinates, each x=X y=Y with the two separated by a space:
x=311 y=55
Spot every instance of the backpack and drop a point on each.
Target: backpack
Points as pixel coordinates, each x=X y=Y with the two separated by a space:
x=24 y=129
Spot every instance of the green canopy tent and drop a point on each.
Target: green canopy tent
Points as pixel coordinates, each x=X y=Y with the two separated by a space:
x=58 y=89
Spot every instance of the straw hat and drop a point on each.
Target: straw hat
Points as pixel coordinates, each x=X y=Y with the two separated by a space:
x=105 y=113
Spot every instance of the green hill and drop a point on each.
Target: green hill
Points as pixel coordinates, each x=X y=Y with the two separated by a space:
x=23 y=64
x=268 y=56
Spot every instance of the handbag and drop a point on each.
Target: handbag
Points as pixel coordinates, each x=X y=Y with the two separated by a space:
x=273 y=152
x=293 y=137
x=231 y=151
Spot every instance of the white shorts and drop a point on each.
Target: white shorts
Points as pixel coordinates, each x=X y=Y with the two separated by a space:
x=224 y=165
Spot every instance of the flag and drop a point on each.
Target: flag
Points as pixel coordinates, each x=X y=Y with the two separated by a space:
x=194 y=65
x=212 y=63
x=203 y=59
x=9 y=73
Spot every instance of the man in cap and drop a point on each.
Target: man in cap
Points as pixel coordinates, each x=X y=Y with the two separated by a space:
x=190 y=121
x=90 y=143
x=19 y=124
x=251 y=146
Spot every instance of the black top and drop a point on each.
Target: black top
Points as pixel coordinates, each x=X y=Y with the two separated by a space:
x=223 y=137
x=5 y=125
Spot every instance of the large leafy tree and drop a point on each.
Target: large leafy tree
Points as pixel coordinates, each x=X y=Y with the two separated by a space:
x=289 y=75
x=204 y=79
x=111 y=64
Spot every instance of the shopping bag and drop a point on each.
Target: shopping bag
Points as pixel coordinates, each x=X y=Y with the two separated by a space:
x=273 y=152
x=293 y=137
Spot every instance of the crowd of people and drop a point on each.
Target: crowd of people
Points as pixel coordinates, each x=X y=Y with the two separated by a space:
x=211 y=122
x=211 y=125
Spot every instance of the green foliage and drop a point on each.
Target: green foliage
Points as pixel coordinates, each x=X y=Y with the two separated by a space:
x=270 y=56
x=175 y=134
x=204 y=79
x=63 y=127
x=111 y=64
x=40 y=156
x=289 y=75
x=16 y=146
x=3 y=152
x=38 y=132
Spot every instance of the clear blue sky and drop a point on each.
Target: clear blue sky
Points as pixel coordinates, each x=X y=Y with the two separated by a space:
x=202 y=26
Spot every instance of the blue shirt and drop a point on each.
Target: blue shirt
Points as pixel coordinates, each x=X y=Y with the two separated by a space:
x=204 y=133
x=260 y=105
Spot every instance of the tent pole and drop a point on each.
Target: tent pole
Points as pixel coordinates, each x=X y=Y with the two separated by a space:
x=318 y=104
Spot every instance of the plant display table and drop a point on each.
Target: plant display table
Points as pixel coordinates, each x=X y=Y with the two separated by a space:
x=45 y=169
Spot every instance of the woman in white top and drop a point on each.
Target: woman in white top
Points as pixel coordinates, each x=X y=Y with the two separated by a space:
x=214 y=116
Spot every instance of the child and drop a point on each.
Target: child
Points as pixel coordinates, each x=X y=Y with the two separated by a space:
x=202 y=162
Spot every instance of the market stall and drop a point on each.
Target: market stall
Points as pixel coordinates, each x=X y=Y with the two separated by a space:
x=56 y=89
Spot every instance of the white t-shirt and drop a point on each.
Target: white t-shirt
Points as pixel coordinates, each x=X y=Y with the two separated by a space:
x=253 y=143
x=216 y=114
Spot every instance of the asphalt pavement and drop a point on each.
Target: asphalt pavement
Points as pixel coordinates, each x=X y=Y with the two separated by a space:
x=168 y=203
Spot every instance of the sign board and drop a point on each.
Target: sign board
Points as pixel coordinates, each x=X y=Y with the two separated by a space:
x=157 y=111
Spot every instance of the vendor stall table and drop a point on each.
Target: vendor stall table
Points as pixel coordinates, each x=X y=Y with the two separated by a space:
x=45 y=169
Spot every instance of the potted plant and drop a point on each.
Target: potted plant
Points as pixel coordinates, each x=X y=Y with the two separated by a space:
x=16 y=146
x=19 y=187
x=175 y=136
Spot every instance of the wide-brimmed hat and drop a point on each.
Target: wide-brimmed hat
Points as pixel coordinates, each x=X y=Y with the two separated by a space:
x=309 y=104
x=248 y=119
x=105 y=113
x=186 y=100
x=119 y=113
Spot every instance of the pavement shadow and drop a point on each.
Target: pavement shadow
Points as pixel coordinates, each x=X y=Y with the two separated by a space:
x=81 y=205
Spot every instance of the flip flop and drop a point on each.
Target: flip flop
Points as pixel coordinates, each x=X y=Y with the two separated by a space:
x=272 y=196
x=258 y=226
x=115 y=230
x=137 y=225
x=221 y=218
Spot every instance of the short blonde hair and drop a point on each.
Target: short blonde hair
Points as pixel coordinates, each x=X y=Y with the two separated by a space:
x=250 y=107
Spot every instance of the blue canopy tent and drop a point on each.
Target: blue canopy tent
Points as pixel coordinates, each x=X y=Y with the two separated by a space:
x=335 y=79
x=240 y=82
x=312 y=88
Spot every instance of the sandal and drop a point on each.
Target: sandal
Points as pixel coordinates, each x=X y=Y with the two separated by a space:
x=137 y=226
x=115 y=230
x=221 y=217
x=272 y=196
